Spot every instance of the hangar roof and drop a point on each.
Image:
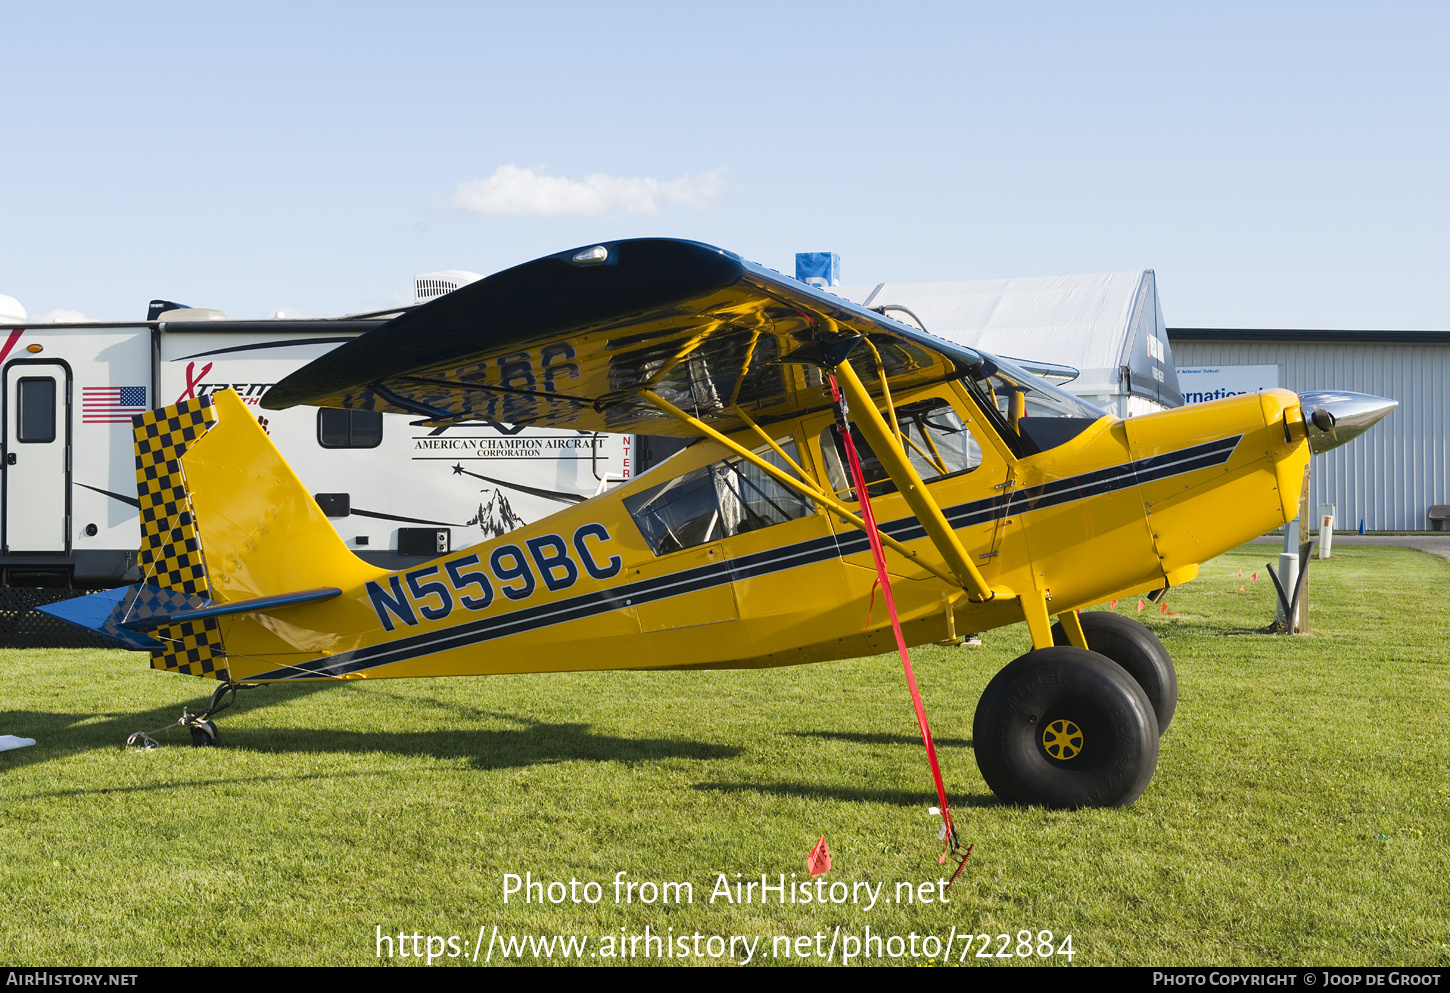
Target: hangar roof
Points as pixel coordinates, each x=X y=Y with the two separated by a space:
x=1321 y=337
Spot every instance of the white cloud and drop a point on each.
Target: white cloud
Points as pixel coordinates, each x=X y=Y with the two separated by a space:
x=514 y=191
x=60 y=317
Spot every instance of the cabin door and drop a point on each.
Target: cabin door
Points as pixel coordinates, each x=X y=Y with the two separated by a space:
x=37 y=457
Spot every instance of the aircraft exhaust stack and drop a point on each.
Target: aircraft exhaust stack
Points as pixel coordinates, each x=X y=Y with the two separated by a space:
x=1335 y=417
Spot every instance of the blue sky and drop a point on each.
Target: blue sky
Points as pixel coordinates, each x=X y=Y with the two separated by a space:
x=1277 y=164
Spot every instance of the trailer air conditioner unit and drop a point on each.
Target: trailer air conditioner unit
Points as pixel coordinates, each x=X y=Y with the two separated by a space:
x=10 y=310
x=192 y=314
x=431 y=285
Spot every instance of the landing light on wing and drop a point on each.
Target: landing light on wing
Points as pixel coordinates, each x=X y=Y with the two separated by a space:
x=591 y=256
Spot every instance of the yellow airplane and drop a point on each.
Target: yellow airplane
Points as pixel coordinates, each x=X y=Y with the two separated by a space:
x=996 y=497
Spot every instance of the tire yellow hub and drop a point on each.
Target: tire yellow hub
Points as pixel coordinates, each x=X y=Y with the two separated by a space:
x=1062 y=739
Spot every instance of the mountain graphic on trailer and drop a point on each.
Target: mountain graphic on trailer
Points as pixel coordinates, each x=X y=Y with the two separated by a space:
x=496 y=517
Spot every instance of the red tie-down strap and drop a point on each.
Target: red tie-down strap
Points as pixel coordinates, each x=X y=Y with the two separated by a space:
x=952 y=844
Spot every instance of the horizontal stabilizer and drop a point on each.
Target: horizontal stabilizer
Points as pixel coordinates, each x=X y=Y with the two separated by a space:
x=212 y=609
x=102 y=613
x=120 y=615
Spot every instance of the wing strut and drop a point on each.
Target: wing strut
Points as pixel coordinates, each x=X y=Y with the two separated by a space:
x=798 y=485
x=908 y=483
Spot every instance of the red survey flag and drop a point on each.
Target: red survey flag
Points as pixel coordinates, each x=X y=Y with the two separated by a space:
x=1113 y=605
x=819 y=860
x=1140 y=606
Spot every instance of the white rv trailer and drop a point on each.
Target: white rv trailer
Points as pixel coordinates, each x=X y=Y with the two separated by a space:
x=393 y=490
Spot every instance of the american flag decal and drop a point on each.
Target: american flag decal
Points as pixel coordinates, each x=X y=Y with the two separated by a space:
x=112 y=404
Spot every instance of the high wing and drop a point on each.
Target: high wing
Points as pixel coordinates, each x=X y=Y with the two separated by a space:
x=571 y=340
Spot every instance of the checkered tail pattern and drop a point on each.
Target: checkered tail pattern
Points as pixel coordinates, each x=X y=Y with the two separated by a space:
x=170 y=550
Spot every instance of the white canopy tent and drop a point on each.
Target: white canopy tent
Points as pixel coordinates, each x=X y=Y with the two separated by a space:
x=1108 y=326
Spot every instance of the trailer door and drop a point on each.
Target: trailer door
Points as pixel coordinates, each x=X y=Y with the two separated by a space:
x=37 y=457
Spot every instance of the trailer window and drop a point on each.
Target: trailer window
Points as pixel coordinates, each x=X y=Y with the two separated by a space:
x=337 y=428
x=718 y=501
x=35 y=410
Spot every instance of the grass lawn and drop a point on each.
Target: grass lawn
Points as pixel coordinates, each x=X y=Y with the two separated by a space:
x=1299 y=813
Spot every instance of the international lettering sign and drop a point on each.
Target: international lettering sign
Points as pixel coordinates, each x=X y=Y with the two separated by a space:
x=1205 y=383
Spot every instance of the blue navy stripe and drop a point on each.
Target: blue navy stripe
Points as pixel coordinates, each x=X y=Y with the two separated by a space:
x=773 y=560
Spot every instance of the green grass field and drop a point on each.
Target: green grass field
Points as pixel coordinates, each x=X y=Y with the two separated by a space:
x=1299 y=813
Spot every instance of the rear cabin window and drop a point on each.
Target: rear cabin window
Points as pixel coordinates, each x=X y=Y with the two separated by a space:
x=719 y=501
x=937 y=443
x=337 y=428
x=35 y=410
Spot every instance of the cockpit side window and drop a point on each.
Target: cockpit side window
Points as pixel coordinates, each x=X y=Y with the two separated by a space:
x=1030 y=413
x=721 y=500
x=937 y=443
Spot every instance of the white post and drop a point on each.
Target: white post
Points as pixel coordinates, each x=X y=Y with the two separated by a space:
x=1326 y=529
x=1288 y=578
x=1288 y=571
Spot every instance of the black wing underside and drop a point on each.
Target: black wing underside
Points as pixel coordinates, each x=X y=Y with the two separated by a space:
x=568 y=344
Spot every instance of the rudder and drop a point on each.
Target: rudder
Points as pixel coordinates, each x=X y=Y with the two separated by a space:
x=170 y=555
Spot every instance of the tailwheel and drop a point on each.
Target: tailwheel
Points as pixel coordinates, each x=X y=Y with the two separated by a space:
x=1138 y=651
x=202 y=727
x=204 y=734
x=1063 y=727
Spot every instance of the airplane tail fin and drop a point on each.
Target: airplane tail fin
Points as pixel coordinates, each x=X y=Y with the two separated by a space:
x=228 y=532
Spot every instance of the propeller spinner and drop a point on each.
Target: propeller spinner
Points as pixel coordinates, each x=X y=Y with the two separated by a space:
x=1335 y=417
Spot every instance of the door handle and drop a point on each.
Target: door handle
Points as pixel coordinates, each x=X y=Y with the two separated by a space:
x=10 y=459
